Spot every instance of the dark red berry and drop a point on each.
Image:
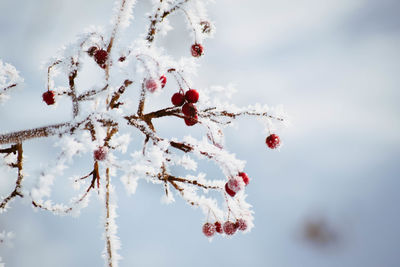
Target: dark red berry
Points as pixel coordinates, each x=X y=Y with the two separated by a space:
x=218 y=227
x=189 y=110
x=208 y=229
x=191 y=121
x=48 y=97
x=229 y=228
x=192 y=96
x=178 y=99
x=273 y=141
x=122 y=59
x=163 y=81
x=197 y=50
x=241 y=225
x=101 y=56
x=151 y=85
x=229 y=191
x=245 y=178
x=100 y=153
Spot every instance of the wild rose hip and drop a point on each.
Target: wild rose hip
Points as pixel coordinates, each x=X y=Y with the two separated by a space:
x=229 y=191
x=163 y=81
x=191 y=121
x=192 y=96
x=241 y=225
x=208 y=229
x=245 y=178
x=48 y=97
x=101 y=56
x=229 y=228
x=197 y=50
x=234 y=185
x=100 y=153
x=151 y=85
x=178 y=99
x=218 y=227
x=189 y=110
x=273 y=141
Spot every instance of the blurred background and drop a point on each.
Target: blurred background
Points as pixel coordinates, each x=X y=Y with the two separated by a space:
x=328 y=198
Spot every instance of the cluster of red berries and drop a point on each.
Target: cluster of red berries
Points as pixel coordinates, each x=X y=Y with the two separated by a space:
x=152 y=84
x=234 y=184
x=229 y=228
x=273 y=141
x=100 y=153
x=188 y=101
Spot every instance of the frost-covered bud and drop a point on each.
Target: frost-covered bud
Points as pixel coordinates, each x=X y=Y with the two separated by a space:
x=101 y=57
x=205 y=26
x=241 y=225
x=245 y=178
x=151 y=85
x=48 y=97
x=229 y=191
x=273 y=141
x=192 y=96
x=163 y=81
x=100 y=153
x=197 y=50
x=178 y=99
x=92 y=50
x=229 y=228
x=189 y=110
x=208 y=229
x=218 y=227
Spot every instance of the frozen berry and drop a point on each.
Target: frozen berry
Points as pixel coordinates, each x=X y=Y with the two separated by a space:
x=229 y=228
x=48 y=97
x=101 y=56
x=192 y=96
x=241 y=225
x=197 y=50
x=100 y=153
x=189 y=110
x=245 y=178
x=151 y=85
x=163 y=81
x=229 y=191
x=178 y=99
x=208 y=229
x=191 y=121
x=218 y=227
x=234 y=185
x=273 y=141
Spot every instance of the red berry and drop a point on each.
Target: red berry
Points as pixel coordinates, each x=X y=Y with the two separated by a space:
x=208 y=229
x=100 y=153
x=218 y=227
x=229 y=191
x=241 y=224
x=178 y=99
x=151 y=85
x=189 y=110
x=48 y=97
x=163 y=81
x=245 y=178
x=273 y=141
x=101 y=56
x=234 y=185
x=191 y=121
x=229 y=228
x=197 y=50
x=192 y=96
